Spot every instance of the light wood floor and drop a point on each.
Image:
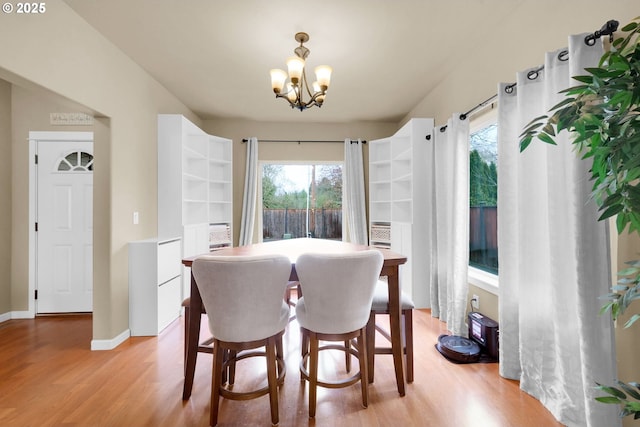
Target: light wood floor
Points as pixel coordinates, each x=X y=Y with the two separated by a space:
x=49 y=377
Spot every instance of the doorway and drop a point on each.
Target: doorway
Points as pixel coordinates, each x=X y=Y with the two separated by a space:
x=61 y=203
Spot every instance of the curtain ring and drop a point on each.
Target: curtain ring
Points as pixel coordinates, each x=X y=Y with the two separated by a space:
x=590 y=40
x=563 y=55
x=534 y=74
x=509 y=88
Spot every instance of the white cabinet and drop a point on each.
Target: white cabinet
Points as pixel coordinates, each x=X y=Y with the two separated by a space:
x=155 y=296
x=398 y=202
x=195 y=187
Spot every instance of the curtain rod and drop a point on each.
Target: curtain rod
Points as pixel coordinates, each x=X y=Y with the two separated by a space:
x=607 y=29
x=302 y=140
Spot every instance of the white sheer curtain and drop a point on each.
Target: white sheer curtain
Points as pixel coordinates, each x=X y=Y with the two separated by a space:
x=250 y=195
x=554 y=258
x=450 y=187
x=353 y=204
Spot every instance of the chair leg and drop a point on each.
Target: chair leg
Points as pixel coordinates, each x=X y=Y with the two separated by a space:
x=304 y=349
x=408 y=334
x=363 y=360
x=279 y=353
x=313 y=373
x=231 y=372
x=371 y=344
x=272 y=378
x=218 y=363
x=347 y=356
x=187 y=312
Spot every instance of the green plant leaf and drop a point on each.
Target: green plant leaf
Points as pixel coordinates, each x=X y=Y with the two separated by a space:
x=611 y=211
x=629 y=390
x=612 y=200
x=635 y=220
x=630 y=322
x=628 y=271
x=629 y=27
x=546 y=138
x=612 y=391
x=606 y=308
x=548 y=129
x=608 y=399
x=621 y=222
x=633 y=406
x=584 y=79
x=524 y=143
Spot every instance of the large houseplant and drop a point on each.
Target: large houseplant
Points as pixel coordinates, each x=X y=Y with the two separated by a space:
x=603 y=113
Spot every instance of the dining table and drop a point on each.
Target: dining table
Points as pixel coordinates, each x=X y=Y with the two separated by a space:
x=293 y=248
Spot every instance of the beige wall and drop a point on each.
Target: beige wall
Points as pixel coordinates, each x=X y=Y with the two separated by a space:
x=475 y=78
x=5 y=197
x=61 y=53
x=627 y=340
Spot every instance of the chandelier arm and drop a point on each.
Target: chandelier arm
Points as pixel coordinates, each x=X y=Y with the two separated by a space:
x=306 y=84
x=314 y=101
x=281 y=95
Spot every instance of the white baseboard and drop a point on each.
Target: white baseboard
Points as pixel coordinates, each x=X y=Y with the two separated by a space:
x=16 y=315
x=22 y=315
x=112 y=343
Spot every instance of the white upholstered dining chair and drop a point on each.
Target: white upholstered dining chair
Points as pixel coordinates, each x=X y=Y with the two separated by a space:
x=243 y=298
x=337 y=291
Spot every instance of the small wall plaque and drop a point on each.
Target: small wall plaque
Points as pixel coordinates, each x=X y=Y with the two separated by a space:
x=71 y=119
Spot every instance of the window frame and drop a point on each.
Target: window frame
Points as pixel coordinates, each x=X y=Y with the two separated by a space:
x=261 y=164
x=477 y=277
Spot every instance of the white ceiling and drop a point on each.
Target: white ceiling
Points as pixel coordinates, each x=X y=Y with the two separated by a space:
x=216 y=55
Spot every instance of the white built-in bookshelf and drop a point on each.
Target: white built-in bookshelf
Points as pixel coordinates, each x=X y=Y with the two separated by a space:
x=399 y=201
x=195 y=187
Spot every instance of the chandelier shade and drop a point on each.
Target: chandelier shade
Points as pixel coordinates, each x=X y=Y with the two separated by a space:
x=298 y=93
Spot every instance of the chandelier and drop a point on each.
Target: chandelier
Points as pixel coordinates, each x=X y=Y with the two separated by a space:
x=298 y=85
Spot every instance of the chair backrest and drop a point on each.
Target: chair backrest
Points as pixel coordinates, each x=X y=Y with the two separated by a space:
x=243 y=295
x=337 y=289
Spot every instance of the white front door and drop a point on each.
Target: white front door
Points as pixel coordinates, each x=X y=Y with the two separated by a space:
x=64 y=218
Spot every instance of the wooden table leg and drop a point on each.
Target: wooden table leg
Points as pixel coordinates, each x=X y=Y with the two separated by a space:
x=395 y=328
x=195 y=317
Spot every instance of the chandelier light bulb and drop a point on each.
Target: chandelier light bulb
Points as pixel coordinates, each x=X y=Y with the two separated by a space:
x=292 y=93
x=323 y=74
x=296 y=67
x=316 y=89
x=278 y=78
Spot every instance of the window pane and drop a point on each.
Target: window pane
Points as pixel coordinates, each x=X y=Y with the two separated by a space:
x=76 y=161
x=483 y=197
x=301 y=201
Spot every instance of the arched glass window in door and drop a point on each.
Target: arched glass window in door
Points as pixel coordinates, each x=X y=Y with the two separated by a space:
x=78 y=161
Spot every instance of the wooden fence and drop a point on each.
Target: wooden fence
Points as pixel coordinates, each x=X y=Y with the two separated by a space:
x=327 y=224
x=292 y=223
x=483 y=237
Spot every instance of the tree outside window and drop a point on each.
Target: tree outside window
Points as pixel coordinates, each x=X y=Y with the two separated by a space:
x=301 y=201
x=483 y=198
